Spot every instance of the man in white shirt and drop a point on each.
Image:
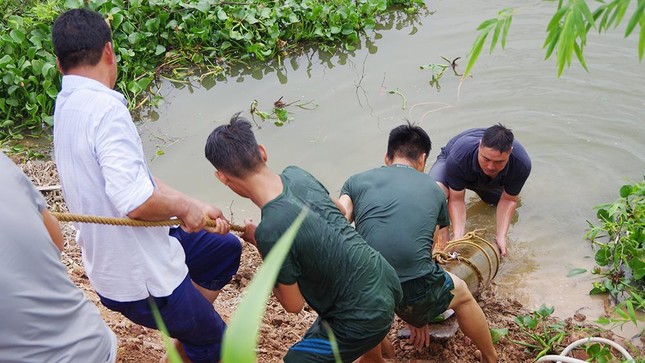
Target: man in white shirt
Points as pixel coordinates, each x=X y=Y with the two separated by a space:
x=103 y=172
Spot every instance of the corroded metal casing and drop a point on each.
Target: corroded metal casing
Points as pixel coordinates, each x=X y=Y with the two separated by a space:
x=471 y=258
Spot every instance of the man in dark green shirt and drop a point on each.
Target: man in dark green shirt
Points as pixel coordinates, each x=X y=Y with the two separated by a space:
x=350 y=285
x=397 y=208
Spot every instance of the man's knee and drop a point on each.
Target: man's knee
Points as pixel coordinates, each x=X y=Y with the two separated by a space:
x=460 y=292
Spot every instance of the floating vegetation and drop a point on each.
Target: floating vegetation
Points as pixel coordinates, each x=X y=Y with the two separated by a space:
x=279 y=114
x=437 y=71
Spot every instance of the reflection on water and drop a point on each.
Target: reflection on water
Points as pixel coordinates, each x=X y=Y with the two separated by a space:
x=583 y=131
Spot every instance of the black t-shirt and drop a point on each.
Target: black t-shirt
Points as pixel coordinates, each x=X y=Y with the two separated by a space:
x=463 y=170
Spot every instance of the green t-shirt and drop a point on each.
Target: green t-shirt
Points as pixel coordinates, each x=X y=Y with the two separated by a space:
x=339 y=275
x=396 y=210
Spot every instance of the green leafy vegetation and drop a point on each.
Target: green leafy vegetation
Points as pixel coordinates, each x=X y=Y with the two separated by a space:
x=404 y=100
x=437 y=71
x=497 y=26
x=241 y=336
x=279 y=114
x=540 y=335
x=567 y=31
x=618 y=238
x=170 y=38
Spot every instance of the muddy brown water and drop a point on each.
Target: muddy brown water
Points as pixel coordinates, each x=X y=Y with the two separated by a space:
x=585 y=132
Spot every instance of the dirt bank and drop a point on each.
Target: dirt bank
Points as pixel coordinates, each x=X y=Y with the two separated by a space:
x=281 y=329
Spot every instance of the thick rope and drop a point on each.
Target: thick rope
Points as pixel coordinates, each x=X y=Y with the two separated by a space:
x=70 y=217
x=443 y=257
x=479 y=234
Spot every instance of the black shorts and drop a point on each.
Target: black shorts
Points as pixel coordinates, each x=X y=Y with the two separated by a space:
x=424 y=298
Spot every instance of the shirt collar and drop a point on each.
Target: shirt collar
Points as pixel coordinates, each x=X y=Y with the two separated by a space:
x=73 y=82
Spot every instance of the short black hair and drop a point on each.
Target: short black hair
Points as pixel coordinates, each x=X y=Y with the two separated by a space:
x=408 y=141
x=79 y=36
x=233 y=149
x=498 y=137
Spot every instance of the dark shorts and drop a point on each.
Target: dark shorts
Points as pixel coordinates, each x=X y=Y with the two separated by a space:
x=356 y=328
x=316 y=347
x=489 y=194
x=424 y=298
x=212 y=261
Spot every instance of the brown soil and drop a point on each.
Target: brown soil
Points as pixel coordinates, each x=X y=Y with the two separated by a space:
x=280 y=329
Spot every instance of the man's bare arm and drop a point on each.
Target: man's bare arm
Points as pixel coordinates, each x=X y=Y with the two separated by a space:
x=53 y=228
x=347 y=207
x=457 y=211
x=505 y=209
x=289 y=297
x=167 y=202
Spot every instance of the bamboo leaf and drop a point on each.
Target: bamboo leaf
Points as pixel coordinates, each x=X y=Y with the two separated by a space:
x=641 y=40
x=620 y=12
x=557 y=17
x=240 y=339
x=602 y=13
x=566 y=38
x=487 y=24
x=638 y=15
x=493 y=41
x=507 y=25
x=553 y=38
x=475 y=52
x=551 y=34
x=584 y=9
x=580 y=56
x=580 y=28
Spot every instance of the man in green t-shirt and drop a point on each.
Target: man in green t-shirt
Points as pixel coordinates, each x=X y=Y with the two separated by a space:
x=350 y=285
x=397 y=209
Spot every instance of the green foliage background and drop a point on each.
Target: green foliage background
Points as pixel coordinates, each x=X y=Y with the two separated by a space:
x=618 y=238
x=165 y=37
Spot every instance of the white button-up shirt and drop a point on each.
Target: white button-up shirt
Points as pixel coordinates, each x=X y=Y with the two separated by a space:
x=103 y=172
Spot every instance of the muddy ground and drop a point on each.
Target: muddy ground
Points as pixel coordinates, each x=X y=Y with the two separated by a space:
x=280 y=329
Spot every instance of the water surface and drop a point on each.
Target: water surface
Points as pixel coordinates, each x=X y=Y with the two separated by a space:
x=584 y=131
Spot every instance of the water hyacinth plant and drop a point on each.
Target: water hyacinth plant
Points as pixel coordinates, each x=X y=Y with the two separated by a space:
x=174 y=38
